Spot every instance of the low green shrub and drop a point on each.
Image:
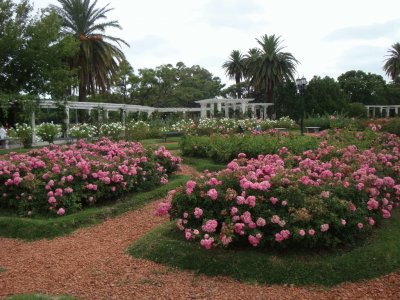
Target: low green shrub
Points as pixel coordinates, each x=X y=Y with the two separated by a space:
x=223 y=148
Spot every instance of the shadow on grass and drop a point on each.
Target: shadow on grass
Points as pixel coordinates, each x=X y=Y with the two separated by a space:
x=379 y=255
x=39 y=228
x=202 y=164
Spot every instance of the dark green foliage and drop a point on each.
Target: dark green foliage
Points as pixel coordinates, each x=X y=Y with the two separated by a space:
x=324 y=96
x=174 y=86
x=366 y=88
x=225 y=148
x=356 y=110
x=392 y=125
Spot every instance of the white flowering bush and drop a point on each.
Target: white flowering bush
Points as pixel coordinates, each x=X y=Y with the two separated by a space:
x=23 y=132
x=113 y=131
x=137 y=130
x=82 y=131
x=206 y=126
x=184 y=126
x=286 y=122
x=48 y=131
x=226 y=126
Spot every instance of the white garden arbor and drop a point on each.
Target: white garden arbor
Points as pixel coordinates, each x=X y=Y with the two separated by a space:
x=206 y=109
x=384 y=110
x=208 y=106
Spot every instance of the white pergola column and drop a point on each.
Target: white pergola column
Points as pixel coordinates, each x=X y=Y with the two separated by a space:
x=67 y=119
x=149 y=113
x=106 y=114
x=212 y=108
x=244 y=106
x=33 y=128
x=397 y=110
x=203 y=112
x=253 y=110
x=219 y=107
x=226 y=106
x=123 y=116
x=387 y=112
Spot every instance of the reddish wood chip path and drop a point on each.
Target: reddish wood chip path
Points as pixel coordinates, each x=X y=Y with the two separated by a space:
x=92 y=264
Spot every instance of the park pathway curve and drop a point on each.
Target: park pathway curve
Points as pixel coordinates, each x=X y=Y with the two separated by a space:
x=92 y=263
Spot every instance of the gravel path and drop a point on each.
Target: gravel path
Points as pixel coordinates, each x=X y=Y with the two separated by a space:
x=91 y=263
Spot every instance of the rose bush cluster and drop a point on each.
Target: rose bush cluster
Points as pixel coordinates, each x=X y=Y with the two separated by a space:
x=325 y=197
x=62 y=179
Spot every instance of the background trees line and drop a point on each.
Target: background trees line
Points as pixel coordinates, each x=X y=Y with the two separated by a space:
x=65 y=48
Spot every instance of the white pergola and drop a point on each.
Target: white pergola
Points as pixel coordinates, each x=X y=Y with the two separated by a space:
x=207 y=106
x=384 y=110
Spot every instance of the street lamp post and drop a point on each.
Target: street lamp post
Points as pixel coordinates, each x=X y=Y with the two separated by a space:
x=301 y=86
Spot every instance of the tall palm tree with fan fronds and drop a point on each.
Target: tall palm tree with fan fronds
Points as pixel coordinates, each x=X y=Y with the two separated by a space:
x=235 y=68
x=99 y=56
x=269 y=65
x=392 y=64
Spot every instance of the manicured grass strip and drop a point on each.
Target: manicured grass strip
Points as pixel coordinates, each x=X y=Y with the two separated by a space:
x=17 y=150
x=378 y=256
x=172 y=143
x=202 y=164
x=40 y=297
x=39 y=228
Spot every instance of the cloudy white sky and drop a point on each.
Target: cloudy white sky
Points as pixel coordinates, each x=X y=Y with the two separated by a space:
x=327 y=37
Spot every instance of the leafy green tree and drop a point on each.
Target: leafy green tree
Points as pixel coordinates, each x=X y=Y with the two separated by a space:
x=324 y=96
x=98 y=57
x=269 y=65
x=235 y=68
x=392 y=64
x=174 y=86
x=392 y=94
x=366 y=88
x=286 y=101
x=31 y=53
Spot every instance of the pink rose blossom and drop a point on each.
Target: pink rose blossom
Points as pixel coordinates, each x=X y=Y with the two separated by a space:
x=261 y=222
x=213 y=194
x=198 y=212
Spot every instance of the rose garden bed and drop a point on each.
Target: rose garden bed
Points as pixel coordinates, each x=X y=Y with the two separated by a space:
x=84 y=183
x=329 y=198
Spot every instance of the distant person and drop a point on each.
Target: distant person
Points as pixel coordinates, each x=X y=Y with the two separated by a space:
x=3 y=136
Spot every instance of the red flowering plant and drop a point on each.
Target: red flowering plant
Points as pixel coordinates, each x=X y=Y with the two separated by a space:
x=322 y=198
x=61 y=179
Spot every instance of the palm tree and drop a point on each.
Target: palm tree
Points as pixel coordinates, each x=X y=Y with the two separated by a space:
x=234 y=69
x=269 y=65
x=392 y=64
x=97 y=59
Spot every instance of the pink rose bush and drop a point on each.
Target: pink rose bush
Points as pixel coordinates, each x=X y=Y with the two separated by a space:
x=62 y=179
x=325 y=197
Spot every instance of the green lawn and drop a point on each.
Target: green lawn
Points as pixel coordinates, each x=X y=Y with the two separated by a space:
x=38 y=228
x=379 y=255
x=202 y=164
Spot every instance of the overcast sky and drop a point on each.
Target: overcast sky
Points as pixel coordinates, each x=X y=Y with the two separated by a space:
x=327 y=37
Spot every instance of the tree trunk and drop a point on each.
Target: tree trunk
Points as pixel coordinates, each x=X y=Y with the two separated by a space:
x=82 y=114
x=238 y=89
